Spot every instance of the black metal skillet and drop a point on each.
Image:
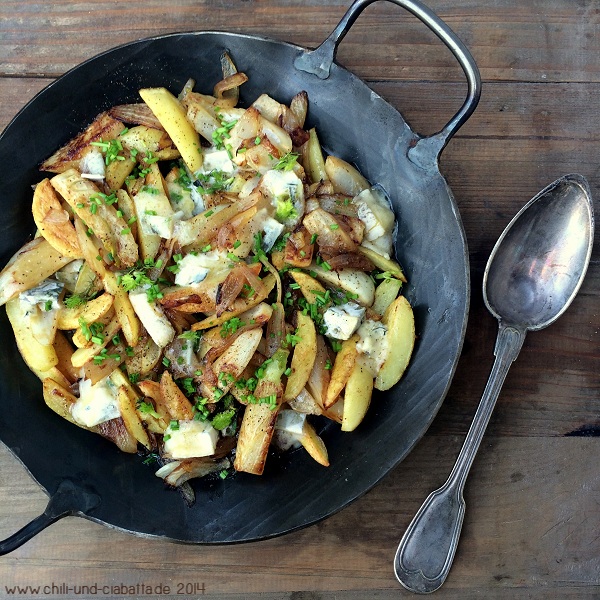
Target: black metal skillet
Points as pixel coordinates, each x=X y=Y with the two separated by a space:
x=87 y=476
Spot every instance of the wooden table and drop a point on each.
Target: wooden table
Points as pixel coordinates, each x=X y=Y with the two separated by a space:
x=533 y=497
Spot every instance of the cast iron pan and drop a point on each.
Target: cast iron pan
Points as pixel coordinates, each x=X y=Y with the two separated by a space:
x=87 y=476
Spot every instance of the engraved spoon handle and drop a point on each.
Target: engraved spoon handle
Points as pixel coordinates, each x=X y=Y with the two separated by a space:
x=426 y=551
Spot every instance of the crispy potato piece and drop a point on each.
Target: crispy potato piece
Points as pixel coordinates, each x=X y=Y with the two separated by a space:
x=311 y=289
x=79 y=339
x=298 y=249
x=118 y=171
x=239 y=308
x=314 y=445
x=305 y=403
x=342 y=369
x=90 y=252
x=312 y=158
x=357 y=398
x=151 y=390
x=303 y=358
x=85 y=354
x=383 y=263
x=64 y=351
x=127 y=207
x=345 y=178
x=385 y=293
x=60 y=400
x=319 y=378
x=146 y=140
x=177 y=404
x=255 y=437
x=258 y=422
x=330 y=234
x=93 y=310
x=146 y=355
x=53 y=221
x=350 y=280
x=400 y=322
x=85 y=200
x=28 y=267
x=103 y=128
x=130 y=324
x=154 y=214
x=299 y=106
x=233 y=361
x=95 y=371
x=131 y=419
x=53 y=374
x=172 y=117
x=195 y=233
x=39 y=357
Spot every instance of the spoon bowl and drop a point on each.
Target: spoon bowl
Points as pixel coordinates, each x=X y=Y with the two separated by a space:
x=533 y=273
x=538 y=263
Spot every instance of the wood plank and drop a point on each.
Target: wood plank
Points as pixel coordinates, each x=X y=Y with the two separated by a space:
x=523 y=494
x=509 y=40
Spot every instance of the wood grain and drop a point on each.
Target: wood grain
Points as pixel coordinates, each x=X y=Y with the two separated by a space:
x=531 y=528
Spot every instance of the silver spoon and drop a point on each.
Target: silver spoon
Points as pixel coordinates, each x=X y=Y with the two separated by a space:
x=532 y=275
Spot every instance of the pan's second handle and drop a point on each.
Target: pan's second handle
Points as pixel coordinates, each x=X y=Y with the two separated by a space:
x=319 y=61
x=69 y=499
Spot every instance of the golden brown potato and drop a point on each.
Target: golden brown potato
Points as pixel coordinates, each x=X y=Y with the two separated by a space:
x=342 y=369
x=28 y=267
x=303 y=358
x=177 y=404
x=357 y=398
x=104 y=128
x=53 y=221
x=400 y=322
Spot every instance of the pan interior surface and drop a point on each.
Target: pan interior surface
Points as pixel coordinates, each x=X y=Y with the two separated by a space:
x=354 y=124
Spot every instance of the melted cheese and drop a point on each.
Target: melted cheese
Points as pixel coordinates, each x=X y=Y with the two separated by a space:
x=191 y=439
x=96 y=404
x=342 y=321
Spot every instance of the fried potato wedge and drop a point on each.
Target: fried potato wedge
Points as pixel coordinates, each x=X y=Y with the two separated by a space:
x=383 y=263
x=255 y=437
x=312 y=158
x=385 y=293
x=53 y=221
x=314 y=445
x=342 y=369
x=320 y=376
x=172 y=117
x=93 y=310
x=303 y=358
x=102 y=218
x=64 y=351
x=239 y=308
x=350 y=280
x=145 y=356
x=85 y=354
x=357 y=398
x=60 y=400
x=39 y=357
x=104 y=128
x=28 y=267
x=400 y=322
x=345 y=178
x=177 y=404
x=311 y=289
x=234 y=360
x=130 y=417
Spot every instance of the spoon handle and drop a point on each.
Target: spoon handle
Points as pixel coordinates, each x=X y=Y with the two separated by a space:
x=426 y=551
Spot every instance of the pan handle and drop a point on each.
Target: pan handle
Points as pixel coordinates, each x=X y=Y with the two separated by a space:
x=319 y=61
x=69 y=499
